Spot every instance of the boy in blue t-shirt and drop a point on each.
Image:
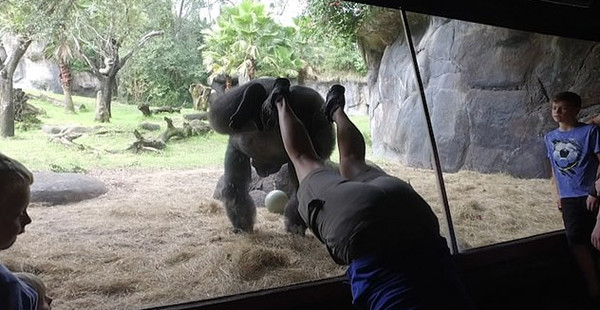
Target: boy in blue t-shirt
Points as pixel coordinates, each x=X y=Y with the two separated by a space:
x=574 y=153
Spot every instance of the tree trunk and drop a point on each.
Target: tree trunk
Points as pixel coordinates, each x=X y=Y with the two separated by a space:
x=65 y=83
x=68 y=99
x=228 y=82
x=103 y=100
x=302 y=76
x=114 y=88
x=7 y=109
x=108 y=75
x=7 y=70
x=252 y=69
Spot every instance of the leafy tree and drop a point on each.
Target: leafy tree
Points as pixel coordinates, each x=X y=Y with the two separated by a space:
x=27 y=20
x=338 y=18
x=162 y=72
x=104 y=28
x=166 y=67
x=247 y=41
x=327 y=35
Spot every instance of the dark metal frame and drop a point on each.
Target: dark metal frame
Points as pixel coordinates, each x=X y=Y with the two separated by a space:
x=546 y=17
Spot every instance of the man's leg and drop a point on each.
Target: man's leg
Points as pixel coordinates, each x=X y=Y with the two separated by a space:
x=296 y=140
x=351 y=143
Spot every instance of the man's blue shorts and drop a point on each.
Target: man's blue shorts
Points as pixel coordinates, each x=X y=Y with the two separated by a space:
x=417 y=280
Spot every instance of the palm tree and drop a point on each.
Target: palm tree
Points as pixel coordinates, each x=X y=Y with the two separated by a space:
x=246 y=41
x=61 y=50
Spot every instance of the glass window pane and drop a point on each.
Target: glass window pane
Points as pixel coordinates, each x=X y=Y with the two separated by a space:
x=159 y=236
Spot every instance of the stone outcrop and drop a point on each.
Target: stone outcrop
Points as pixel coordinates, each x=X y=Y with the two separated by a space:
x=51 y=188
x=356 y=100
x=487 y=91
x=35 y=71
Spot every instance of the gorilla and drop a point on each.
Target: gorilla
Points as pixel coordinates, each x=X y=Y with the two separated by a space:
x=246 y=114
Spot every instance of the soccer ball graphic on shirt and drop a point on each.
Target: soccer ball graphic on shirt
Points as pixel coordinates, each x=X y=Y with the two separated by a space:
x=566 y=156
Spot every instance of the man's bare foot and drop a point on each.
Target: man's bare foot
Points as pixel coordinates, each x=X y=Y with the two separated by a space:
x=281 y=90
x=335 y=100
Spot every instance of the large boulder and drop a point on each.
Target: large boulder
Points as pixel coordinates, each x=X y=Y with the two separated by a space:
x=51 y=188
x=487 y=91
x=85 y=84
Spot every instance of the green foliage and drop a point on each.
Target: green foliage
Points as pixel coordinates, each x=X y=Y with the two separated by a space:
x=327 y=36
x=327 y=52
x=337 y=18
x=161 y=72
x=28 y=122
x=124 y=21
x=245 y=40
x=32 y=18
x=101 y=27
x=71 y=168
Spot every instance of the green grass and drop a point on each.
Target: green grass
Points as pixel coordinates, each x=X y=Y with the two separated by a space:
x=33 y=148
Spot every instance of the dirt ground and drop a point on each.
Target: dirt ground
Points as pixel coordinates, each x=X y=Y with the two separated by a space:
x=157 y=237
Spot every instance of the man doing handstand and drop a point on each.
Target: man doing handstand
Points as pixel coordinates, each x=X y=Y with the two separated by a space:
x=373 y=222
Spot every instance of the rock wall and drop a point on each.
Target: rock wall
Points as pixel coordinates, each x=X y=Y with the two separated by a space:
x=34 y=71
x=356 y=91
x=487 y=90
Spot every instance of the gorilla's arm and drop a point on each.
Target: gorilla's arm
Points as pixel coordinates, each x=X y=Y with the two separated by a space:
x=292 y=220
x=238 y=203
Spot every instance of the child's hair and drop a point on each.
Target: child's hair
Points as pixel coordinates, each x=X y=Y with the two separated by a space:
x=571 y=98
x=34 y=281
x=13 y=175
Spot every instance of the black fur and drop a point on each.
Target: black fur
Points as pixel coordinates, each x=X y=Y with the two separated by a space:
x=254 y=140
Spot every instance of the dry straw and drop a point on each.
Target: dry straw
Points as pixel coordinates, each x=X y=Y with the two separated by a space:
x=157 y=237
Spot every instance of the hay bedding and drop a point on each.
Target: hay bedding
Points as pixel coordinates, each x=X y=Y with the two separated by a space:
x=157 y=237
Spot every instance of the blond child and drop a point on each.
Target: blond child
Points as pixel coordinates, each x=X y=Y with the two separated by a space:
x=15 y=180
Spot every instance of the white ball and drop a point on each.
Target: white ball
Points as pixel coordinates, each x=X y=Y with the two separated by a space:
x=276 y=200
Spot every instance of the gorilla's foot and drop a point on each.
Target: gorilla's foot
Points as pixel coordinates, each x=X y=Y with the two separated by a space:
x=237 y=230
x=281 y=89
x=335 y=100
x=248 y=110
x=242 y=223
x=299 y=230
x=292 y=221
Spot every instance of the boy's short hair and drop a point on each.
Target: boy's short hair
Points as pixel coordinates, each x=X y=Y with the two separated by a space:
x=13 y=175
x=571 y=98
